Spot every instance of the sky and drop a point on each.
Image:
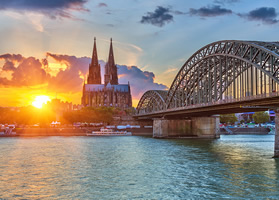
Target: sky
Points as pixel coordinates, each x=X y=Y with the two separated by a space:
x=46 y=45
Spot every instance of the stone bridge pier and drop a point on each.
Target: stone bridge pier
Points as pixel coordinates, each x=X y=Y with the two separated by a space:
x=197 y=127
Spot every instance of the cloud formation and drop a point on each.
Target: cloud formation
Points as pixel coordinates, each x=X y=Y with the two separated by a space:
x=11 y=57
x=102 y=5
x=31 y=71
x=159 y=17
x=50 y=8
x=28 y=72
x=210 y=11
x=71 y=78
x=266 y=15
x=140 y=81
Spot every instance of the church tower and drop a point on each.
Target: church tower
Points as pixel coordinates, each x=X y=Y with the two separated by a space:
x=94 y=76
x=111 y=69
x=110 y=94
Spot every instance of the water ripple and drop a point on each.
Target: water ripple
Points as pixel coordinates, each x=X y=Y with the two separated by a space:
x=233 y=167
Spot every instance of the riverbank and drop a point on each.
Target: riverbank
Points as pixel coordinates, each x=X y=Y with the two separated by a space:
x=245 y=131
x=44 y=132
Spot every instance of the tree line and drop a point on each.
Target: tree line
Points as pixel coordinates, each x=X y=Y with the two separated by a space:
x=258 y=117
x=44 y=116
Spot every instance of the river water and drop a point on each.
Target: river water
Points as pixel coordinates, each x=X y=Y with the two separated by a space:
x=232 y=167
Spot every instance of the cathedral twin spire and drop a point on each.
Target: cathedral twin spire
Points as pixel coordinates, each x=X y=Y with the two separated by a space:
x=94 y=76
x=95 y=69
x=111 y=69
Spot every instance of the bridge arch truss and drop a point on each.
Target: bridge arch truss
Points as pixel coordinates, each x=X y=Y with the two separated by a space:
x=223 y=70
x=226 y=70
x=152 y=101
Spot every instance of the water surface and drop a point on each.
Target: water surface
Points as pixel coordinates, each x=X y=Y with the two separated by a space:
x=233 y=167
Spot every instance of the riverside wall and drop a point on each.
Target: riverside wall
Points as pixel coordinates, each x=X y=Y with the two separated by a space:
x=246 y=131
x=45 y=132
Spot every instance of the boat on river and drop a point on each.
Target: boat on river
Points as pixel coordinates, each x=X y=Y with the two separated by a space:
x=7 y=130
x=109 y=132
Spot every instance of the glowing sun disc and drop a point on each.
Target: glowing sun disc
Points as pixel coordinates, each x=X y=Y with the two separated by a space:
x=40 y=100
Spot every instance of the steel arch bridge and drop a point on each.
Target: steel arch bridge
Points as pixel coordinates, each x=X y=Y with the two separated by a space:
x=220 y=76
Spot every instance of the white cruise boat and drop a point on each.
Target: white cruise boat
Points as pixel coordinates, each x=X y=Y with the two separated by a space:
x=109 y=132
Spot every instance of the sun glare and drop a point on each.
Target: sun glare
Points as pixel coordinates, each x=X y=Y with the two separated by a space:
x=40 y=100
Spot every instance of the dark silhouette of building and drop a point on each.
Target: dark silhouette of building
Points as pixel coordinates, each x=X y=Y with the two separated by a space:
x=109 y=94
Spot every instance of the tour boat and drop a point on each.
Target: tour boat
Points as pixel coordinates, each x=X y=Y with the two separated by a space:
x=109 y=132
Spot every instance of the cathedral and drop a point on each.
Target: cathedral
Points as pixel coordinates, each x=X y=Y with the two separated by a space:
x=109 y=94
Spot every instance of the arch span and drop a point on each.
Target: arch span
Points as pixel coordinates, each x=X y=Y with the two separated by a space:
x=152 y=101
x=228 y=69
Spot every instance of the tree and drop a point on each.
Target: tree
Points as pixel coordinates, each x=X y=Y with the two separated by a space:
x=131 y=111
x=228 y=118
x=90 y=115
x=261 y=117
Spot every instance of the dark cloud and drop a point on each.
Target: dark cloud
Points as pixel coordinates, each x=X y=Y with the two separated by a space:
x=159 y=17
x=44 y=62
x=210 y=11
x=4 y=81
x=35 y=4
x=51 y=8
x=102 y=5
x=9 y=66
x=267 y=15
x=177 y=12
x=29 y=71
x=70 y=79
x=140 y=81
x=12 y=57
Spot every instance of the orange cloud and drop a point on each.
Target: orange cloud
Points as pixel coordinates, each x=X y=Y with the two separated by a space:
x=61 y=75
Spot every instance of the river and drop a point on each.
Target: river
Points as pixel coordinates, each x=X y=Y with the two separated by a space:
x=232 y=167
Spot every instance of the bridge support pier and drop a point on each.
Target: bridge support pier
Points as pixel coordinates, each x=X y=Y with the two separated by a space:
x=206 y=127
x=276 y=141
x=198 y=127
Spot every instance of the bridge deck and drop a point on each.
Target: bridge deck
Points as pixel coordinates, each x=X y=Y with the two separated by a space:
x=247 y=104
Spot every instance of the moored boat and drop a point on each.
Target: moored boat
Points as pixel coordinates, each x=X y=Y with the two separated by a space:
x=109 y=132
x=7 y=130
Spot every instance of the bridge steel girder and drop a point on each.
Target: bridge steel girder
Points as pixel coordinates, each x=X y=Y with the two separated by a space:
x=152 y=101
x=223 y=70
x=263 y=56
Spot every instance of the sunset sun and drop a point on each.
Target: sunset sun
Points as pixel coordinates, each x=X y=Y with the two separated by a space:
x=40 y=100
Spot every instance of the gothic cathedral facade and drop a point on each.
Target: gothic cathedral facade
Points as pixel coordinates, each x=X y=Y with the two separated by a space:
x=109 y=94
